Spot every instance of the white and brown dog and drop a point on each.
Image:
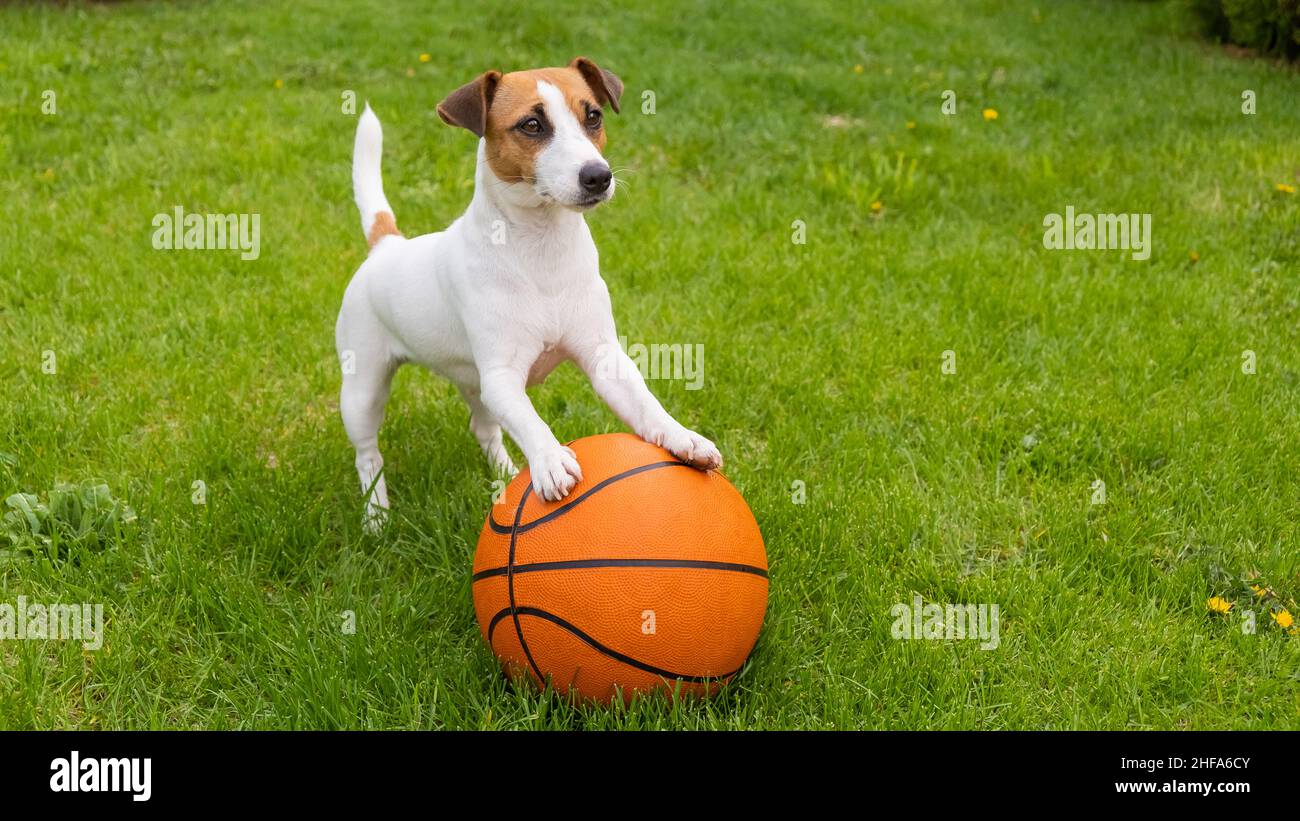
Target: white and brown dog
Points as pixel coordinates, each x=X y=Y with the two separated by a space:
x=509 y=291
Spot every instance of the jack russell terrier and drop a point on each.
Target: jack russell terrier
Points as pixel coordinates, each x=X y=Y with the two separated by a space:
x=508 y=292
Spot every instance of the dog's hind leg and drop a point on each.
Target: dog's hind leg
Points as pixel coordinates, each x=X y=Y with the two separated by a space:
x=487 y=430
x=367 y=377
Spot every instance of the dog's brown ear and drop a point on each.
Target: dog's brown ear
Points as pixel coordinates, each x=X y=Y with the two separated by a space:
x=606 y=84
x=468 y=105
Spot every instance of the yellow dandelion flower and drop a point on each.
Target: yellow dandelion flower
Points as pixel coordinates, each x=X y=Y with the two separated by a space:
x=1218 y=604
x=279 y=83
x=1259 y=591
x=858 y=69
x=990 y=114
x=911 y=124
x=1286 y=189
x=1194 y=257
x=424 y=58
x=1283 y=618
x=877 y=207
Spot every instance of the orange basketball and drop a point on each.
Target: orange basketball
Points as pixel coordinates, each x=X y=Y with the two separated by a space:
x=649 y=574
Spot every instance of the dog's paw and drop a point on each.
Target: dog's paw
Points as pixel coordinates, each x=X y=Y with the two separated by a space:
x=691 y=448
x=555 y=473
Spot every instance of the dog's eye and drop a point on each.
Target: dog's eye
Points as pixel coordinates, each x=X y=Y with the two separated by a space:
x=593 y=118
x=531 y=126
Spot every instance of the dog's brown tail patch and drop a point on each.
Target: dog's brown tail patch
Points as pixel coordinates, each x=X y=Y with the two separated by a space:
x=384 y=225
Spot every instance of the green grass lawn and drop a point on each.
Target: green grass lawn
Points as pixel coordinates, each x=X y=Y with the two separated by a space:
x=823 y=360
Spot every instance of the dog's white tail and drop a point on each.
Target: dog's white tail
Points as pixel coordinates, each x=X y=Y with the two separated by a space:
x=377 y=220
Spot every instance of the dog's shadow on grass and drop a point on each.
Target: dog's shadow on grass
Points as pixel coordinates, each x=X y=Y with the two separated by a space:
x=439 y=485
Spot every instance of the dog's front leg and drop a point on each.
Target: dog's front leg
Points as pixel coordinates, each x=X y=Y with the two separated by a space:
x=554 y=468
x=618 y=382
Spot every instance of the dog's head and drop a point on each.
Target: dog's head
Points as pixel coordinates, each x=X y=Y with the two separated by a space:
x=543 y=129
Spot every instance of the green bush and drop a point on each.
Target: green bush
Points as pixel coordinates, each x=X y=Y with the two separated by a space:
x=1268 y=26
x=85 y=514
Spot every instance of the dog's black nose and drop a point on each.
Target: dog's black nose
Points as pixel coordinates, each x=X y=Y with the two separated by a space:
x=594 y=177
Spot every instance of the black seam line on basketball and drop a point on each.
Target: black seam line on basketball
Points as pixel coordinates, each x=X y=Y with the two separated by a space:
x=506 y=611
x=499 y=528
x=510 y=584
x=492 y=625
x=614 y=654
x=576 y=564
